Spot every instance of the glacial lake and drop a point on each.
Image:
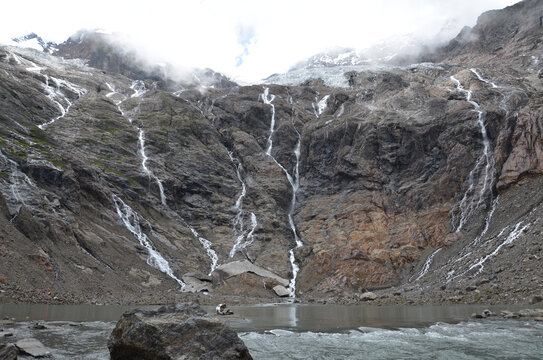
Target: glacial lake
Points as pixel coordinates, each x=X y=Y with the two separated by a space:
x=299 y=331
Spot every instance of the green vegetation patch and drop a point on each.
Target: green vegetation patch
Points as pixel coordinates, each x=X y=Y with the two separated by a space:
x=39 y=136
x=103 y=166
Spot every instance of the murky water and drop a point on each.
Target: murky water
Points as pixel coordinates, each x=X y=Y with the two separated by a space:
x=308 y=331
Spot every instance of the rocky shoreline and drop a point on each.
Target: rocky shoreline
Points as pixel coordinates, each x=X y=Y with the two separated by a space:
x=408 y=295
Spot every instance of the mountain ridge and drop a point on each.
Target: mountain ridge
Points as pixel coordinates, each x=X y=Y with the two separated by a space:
x=120 y=189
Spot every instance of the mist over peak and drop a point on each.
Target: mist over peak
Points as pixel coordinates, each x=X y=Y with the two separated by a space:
x=110 y=52
x=247 y=41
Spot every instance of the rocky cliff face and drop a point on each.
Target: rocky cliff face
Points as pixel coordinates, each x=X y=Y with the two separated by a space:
x=116 y=187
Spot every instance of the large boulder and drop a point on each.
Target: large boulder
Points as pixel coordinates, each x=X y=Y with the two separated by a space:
x=234 y=268
x=32 y=347
x=182 y=331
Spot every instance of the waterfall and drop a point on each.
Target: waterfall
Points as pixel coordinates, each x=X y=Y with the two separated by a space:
x=487 y=221
x=18 y=182
x=139 y=89
x=513 y=235
x=144 y=158
x=294 y=183
x=131 y=221
x=427 y=264
x=56 y=95
x=268 y=100
x=239 y=230
x=321 y=105
x=483 y=171
x=207 y=246
x=475 y=241
x=483 y=79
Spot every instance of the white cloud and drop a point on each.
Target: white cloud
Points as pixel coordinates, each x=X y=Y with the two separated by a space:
x=207 y=33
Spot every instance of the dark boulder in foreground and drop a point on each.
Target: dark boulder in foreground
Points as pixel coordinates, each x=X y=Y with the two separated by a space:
x=8 y=352
x=183 y=331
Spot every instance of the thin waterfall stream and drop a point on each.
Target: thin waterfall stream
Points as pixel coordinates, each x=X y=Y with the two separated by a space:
x=131 y=221
x=294 y=183
x=239 y=229
x=139 y=89
x=483 y=171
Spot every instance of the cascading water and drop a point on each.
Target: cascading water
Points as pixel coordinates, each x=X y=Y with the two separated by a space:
x=471 y=201
x=131 y=221
x=57 y=96
x=239 y=202
x=513 y=235
x=464 y=252
x=239 y=230
x=481 y=175
x=487 y=221
x=120 y=97
x=139 y=89
x=18 y=183
x=144 y=158
x=321 y=105
x=268 y=100
x=427 y=264
x=294 y=183
x=483 y=79
x=207 y=246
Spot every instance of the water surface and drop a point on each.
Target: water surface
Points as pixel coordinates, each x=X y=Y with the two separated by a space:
x=296 y=331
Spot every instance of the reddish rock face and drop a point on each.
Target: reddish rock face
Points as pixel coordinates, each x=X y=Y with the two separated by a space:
x=333 y=273
x=358 y=242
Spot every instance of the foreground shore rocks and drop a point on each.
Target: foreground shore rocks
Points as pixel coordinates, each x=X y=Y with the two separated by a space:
x=182 y=331
x=535 y=314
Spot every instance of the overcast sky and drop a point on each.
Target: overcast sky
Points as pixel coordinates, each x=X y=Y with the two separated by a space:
x=246 y=39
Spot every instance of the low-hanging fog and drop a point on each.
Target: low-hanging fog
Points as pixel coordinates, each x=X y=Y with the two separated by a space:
x=246 y=40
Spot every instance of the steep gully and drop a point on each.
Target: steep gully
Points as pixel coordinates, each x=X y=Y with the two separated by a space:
x=243 y=236
x=55 y=94
x=128 y=216
x=21 y=186
x=294 y=181
x=482 y=176
x=239 y=230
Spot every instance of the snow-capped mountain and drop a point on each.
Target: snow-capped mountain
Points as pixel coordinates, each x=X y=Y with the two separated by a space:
x=386 y=51
x=102 y=49
x=331 y=64
x=34 y=41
